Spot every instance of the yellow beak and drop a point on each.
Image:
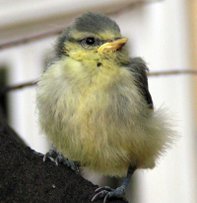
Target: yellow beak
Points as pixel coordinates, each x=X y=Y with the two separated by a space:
x=112 y=46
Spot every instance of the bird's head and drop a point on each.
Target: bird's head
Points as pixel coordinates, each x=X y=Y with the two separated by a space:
x=93 y=38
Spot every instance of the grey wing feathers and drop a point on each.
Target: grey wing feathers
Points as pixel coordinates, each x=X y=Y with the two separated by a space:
x=139 y=69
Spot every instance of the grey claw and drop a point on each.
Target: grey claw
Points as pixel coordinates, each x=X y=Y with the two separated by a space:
x=71 y=164
x=50 y=155
x=104 y=188
x=56 y=162
x=58 y=158
x=47 y=156
x=99 y=195
x=106 y=192
x=105 y=199
x=44 y=158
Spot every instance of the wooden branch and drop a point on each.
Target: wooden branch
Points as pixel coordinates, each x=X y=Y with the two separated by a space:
x=26 y=178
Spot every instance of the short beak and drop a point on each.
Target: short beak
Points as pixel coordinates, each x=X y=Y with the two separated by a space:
x=112 y=46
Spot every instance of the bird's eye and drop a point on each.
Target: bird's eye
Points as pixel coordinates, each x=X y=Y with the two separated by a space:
x=89 y=42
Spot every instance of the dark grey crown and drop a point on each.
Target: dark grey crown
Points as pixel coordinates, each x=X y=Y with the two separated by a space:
x=95 y=23
x=88 y=22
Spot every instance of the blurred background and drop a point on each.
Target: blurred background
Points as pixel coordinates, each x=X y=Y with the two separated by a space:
x=163 y=32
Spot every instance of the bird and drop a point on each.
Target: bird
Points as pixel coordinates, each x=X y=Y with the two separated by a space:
x=95 y=107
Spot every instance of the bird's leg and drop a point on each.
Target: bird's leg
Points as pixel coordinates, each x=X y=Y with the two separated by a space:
x=107 y=192
x=58 y=158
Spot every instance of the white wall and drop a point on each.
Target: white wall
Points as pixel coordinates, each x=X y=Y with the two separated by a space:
x=158 y=32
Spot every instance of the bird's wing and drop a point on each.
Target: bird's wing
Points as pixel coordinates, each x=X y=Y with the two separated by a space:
x=139 y=69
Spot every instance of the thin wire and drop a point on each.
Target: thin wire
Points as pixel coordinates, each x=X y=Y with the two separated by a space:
x=19 y=86
x=151 y=74
x=29 y=39
x=172 y=72
x=36 y=37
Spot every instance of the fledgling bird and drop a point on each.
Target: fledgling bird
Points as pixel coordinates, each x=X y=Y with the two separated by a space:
x=95 y=106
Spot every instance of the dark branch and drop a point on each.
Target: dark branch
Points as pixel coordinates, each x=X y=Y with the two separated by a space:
x=26 y=178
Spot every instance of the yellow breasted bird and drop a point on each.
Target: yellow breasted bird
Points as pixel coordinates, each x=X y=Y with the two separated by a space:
x=95 y=106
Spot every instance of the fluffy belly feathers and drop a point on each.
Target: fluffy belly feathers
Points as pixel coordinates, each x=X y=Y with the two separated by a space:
x=106 y=127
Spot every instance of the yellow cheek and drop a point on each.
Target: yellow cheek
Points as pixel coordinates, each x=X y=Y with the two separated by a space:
x=88 y=59
x=77 y=55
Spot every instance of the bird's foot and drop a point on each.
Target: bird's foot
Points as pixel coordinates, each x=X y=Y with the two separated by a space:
x=107 y=193
x=58 y=158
